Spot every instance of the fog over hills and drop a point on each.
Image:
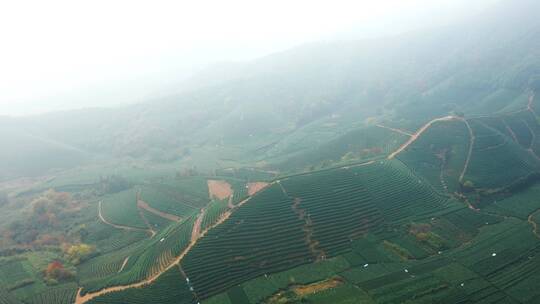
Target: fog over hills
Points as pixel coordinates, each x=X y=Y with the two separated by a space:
x=411 y=77
x=138 y=51
x=392 y=164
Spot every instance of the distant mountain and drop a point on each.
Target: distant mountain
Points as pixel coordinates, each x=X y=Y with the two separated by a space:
x=318 y=92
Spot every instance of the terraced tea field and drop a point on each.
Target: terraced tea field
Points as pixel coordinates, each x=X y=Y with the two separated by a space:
x=440 y=154
x=493 y=153
x=146 y=259
x=227 y=255
x=307 y=218
x=167 y=199
x=213 y=212
x=61 y=295
x=171 y=288
x=386 y=230
x=120 y=209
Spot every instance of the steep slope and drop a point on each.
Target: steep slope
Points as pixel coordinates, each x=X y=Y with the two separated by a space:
x=307 y=218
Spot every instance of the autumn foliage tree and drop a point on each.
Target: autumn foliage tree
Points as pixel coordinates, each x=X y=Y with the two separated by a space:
x=78 y=253
x=42 y=227
x=56 y=272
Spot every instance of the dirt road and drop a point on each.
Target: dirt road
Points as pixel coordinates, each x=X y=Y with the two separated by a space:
x=100 y=215
x=417 y=134
x=406 y=133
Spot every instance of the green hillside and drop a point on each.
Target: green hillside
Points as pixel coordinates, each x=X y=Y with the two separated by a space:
x=400 y=169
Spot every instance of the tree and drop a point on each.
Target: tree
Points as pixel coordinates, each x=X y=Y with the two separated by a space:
x=55 y=272
x=79 y=253
x=468 y=186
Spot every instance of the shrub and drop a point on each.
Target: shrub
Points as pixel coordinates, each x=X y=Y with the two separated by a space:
x=55 y=272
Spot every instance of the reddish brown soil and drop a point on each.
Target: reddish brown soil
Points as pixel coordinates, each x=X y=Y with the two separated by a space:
x=256 y=187
x=305 y=290
x=219 y=189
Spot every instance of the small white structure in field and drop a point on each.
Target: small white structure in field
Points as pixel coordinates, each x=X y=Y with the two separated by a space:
x=407 y=270
x=494 y=254
x=187 y=280
x=366 y=265
x=163 y=239
x=462 y=284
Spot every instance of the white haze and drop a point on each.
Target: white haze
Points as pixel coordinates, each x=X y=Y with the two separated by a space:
x=69 y=54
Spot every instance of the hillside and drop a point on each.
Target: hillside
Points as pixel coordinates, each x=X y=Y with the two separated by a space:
x=395 y=170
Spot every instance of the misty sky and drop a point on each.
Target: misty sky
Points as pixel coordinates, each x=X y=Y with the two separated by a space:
x=68 y=54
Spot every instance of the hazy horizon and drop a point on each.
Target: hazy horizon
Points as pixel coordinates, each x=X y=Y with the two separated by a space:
x=68 y=55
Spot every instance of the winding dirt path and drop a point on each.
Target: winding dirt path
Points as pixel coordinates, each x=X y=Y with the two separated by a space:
x=256 y=187
x=313 y=244
x=100 y=215
x=531 y=221
x=80 y=299
x=400 y=131
x=359 y=165
x=512 y=133
x=533 y=134
x=417 y=134
x=196 y=236
x=123 y=265
x=196 y=232
x=147 y=223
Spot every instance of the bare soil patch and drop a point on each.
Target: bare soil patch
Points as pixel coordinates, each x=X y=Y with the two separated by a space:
x=196 y=235
x=219 y=189
x=256 y=187
x=313 y=244
x=305 y=290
